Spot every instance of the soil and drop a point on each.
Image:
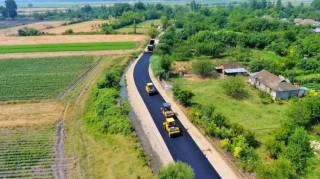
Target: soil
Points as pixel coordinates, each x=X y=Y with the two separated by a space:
x=60 y=157
x=19 y=24
x=79 y=27
x=57 y=39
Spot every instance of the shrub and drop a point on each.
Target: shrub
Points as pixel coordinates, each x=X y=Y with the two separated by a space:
x=111 y=79
x=68 y=32
x=28 y=31
x=184 y=96
x=235 y=87
x=177 y=170
x=202 y=67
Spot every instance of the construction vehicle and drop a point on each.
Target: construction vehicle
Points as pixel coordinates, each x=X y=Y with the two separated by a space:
x=166 y=110
x=151 y=45
x=170 y=126
x=150 y=89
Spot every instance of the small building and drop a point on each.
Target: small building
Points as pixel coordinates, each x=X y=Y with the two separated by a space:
x=277 y=87
x=298 y=21
x=235 y=68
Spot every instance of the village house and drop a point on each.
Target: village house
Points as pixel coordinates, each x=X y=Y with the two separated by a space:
x=298 y=21
x=235 y=68
x=277 y=86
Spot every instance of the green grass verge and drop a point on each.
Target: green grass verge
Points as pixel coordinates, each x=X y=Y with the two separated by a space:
x=252 y=113
x=23 y=79
x=24 y=148
x=266 y=55
x=67 y=47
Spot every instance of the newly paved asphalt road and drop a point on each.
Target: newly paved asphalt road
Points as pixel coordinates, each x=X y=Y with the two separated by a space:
x=182 y=148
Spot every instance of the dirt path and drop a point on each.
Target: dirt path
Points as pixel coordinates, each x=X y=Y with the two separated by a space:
x=60 y=159
x=148 y=127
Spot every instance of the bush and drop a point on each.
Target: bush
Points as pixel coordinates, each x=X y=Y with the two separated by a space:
x=235 y=87
x=111 y=79
x=183 y=95
x=177 y=170
x=202 y=67
x=28 y=31
x=68 y=32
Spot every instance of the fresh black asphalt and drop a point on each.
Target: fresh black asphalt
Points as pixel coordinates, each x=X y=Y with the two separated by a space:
x=183 y=147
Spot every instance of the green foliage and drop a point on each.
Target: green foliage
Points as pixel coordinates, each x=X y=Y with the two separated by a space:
x=308 y=64
x=67 y=47
x=298 y=150
x=183 y=95
x=281 y=168
x=68 y=32
x=42 y=78
x=202 y=67
x=11 y=8
x=305 y=112
x=235 y=87
x=258 y=65
x=28 y=31
x=111 y=79
x=177 y=170
x=160 y=66
x=104 y=116
x=164 y=21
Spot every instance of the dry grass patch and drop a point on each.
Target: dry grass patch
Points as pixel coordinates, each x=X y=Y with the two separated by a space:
x=13 y=40
x=30 y=114
x=38 y=26
x=87 y=26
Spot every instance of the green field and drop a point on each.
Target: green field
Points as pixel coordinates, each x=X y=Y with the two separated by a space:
x=251 y=113
x=142 y=28
x=67 y=47
x=27 y=153
x=266 y=55
x=23 y=79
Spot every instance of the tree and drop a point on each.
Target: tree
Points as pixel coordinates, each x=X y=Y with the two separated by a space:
x=153 y=32
x=134 y=27
x=30 y=5
x=298 y=150
x=281 y=168
x=87 y=9
x=4 y=12
x=235 y=87
x=258 y=65
x=183 y=95
x=177 y=170
x=164 y=21
x=202 y=67
x=11 y=7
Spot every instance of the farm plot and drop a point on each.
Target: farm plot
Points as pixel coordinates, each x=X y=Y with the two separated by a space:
x=87 y=26
x=38 y=25
x=142 y=28
x=43 y=78
x=27 y=153
x=67 y=47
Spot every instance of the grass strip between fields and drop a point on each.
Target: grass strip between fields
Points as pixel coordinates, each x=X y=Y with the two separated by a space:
x=67 y=47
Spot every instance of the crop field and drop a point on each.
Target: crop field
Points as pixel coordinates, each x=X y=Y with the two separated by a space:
x=252 y=113
x=43 y=78
x=27 y=153
x=38 y=25
x=87 y=26
x=67 y=47
x=58 y=39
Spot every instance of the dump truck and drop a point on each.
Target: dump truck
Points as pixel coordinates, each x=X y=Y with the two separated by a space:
x=150 y=89
x=166 y=110
x=170 y=126
x=151 y=45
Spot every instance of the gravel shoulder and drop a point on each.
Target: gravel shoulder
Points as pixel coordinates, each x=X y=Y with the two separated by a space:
x=148 y=127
